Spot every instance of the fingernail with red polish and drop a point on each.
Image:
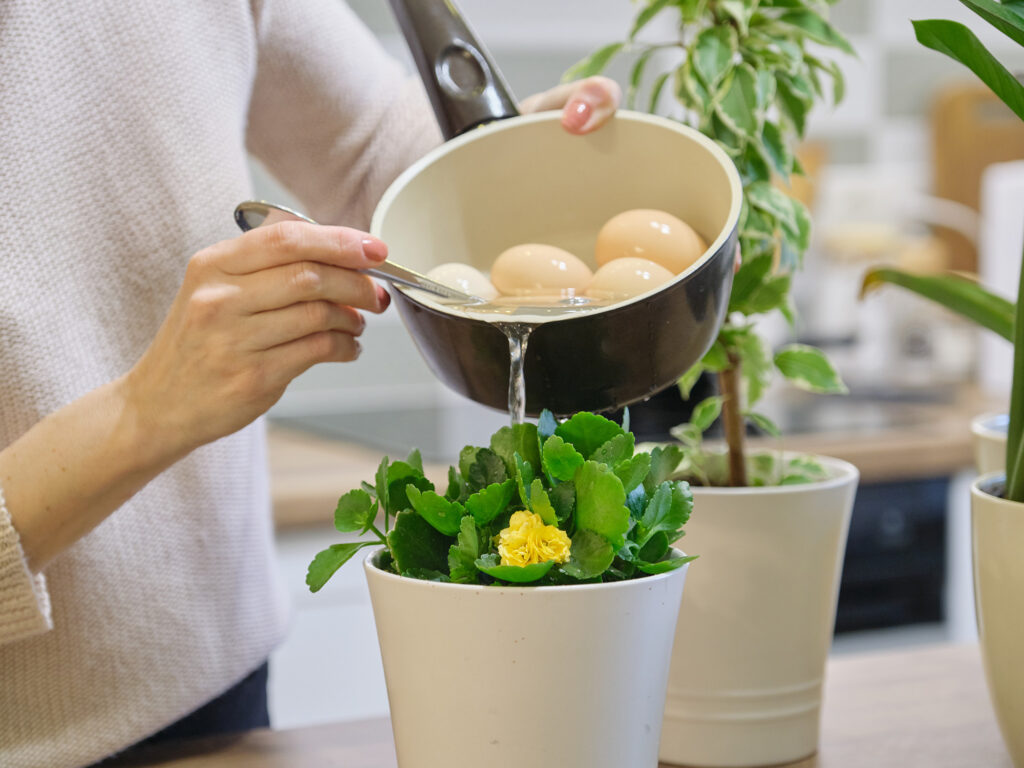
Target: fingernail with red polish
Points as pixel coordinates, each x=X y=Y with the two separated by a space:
x=375 y=249
x=576 y=115
x=383 y=297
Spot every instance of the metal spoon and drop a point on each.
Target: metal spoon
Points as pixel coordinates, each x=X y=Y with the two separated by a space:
x=257 y=213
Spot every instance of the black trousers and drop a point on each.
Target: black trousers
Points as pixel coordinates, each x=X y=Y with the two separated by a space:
x=241 y=708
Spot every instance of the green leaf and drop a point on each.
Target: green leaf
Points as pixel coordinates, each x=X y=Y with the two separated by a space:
x=778 y=150
x=644 y=17
x=547 y=424
x=514 y=574
x=561 y=459
x=462 y=555
x=587 y=432
x=757 y=366
x=713 y=52
x=959 y=43
x=763 y=423
x=819 y=30
x=590 y=555
x=442 y=514
x=521 y=439
x=487 y=503
x=667 y=512
x=456 y=485
x=636 y=502
x=415 y=460
x=664 y=461
x=398 y=491
x=486 y=469
x=426 y=574
x=657 y=547
x=808 y=368
x=705 y=413
x=594 y=64
x=540 y=504
x=327 y=562
x=356 y=511
x=716 y=359
x=774 y=201
x=751 y=276
x=563 y=499
x=689 y=379
x=955 y=293
x=737 y=107
x=633 y=471
x=415 y=543
x=524 y=479
x=793 y=105
x=382 y=486
x=740 y=12
x=616 y=450
x=601 y=503
x=656 y=89
x=999 y=16
x=671 y=563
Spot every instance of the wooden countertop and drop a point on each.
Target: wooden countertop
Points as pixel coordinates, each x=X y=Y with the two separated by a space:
x=309 y=473
x=922 y=708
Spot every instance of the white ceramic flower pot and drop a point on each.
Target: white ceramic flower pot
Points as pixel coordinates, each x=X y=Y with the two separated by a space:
x=502 y=677
x=753 y=636
x=998 y=542
x=989 y=431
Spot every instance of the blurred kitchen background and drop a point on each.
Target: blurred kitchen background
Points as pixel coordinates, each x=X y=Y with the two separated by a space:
x=914 y=168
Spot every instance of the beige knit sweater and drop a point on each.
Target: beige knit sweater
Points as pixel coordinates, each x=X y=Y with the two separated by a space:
x=123 y=135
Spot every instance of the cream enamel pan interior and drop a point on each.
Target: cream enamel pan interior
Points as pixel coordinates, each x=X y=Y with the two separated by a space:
x=526 y=180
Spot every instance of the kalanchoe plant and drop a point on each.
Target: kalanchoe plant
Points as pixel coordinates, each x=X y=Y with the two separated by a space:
x=548 y=503
x=745 y=73
x=953 y=291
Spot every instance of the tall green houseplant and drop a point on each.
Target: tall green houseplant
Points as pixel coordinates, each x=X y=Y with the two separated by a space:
x=954 y=291
x=745 y=73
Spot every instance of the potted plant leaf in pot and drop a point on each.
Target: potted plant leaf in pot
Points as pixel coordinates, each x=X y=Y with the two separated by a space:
x=997 y=498
x=526 y=613
x=753 y=636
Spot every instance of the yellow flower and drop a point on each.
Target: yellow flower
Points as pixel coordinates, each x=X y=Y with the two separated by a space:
x=527 y=540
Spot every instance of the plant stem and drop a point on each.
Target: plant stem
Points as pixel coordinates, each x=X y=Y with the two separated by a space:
x=1015 y=433
x=381 y=536
x=732 y=417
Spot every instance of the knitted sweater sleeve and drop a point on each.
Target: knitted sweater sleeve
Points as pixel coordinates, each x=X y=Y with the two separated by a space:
x=24 y=600
x=332 y=115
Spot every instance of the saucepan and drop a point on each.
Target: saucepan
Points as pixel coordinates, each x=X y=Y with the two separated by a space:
x=502 y=179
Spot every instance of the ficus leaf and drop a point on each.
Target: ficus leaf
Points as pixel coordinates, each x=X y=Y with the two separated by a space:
x=808 y=368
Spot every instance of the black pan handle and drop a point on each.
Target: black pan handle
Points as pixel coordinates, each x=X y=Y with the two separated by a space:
x=465 y=87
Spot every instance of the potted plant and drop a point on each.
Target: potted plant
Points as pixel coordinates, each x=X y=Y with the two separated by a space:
x=525 y=616
x=751 y=645
x=997 y=498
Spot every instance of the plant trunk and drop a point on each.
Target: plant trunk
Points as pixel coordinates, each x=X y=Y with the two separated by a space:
x=732 y=418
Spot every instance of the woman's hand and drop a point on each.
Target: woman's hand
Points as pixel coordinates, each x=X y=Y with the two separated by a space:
x=586 y=104
x=252 y=314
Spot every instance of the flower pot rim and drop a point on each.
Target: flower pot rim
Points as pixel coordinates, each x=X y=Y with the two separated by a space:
x=370 y=567
x=982 y=425
x=843 y=472
x=980 y=485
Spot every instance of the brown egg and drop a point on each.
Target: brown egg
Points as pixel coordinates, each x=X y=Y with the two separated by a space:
x=627 y=277
x=539 y=270
x=649 y=234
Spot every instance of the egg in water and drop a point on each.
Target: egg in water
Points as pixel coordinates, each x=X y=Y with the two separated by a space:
x=627 y=277
x=464 y=278
x=534 y=269
x=649 y=234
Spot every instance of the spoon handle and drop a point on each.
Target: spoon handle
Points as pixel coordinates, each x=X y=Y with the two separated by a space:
x=395 y=273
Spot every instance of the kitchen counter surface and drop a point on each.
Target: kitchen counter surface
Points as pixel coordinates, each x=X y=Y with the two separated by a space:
x=921 y=708
x=893 y=440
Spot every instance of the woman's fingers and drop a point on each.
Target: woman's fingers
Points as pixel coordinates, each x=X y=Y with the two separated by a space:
x=295 y=357
x=280 y=326
x=586 y=104
x=290 y=241
x=301 y=281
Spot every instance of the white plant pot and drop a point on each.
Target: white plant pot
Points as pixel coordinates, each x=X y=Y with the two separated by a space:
x=503 y=677
x=989 y=431
x=998 y=542
x=753 y=636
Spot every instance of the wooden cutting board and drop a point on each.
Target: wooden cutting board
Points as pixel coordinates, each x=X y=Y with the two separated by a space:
x=971 y=129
